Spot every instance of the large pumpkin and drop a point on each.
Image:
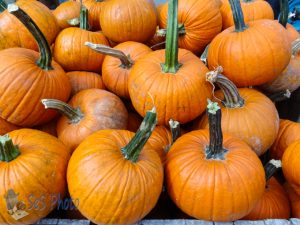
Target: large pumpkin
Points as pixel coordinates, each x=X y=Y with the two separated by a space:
x=115 y=175
x=200 y=22
x=250 y=54
x=27 y=77
x=206 y=175
x=33 y=166
x=172 y=79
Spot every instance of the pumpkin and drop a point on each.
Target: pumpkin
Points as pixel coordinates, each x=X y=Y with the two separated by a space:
x=242 y=110
x=294 y=201
x=6 y=127
x=27 y=77
x=172 y=79
x=274 y=204
x=206 y=176
x=199 y=21
x=117 y=64
x=70 y=51
x=128 y=20
x=116 y=175
x=33 y=166
x=242 y=49
x=19 y=36
x=289 y=132
x=252 y=10
x=66 y=11
x=134 y=121
x=87 y=112
x=81 y=80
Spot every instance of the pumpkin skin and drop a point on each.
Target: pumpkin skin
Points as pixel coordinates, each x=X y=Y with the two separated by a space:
x=274 y=203
x=205 y=189
x=289 y=132
x=38 y=150
x=252 y=10
x=136 y=21
x=66 y=11
x=81 y=80
x=242 y=121
x=200 y=29
x=19 y=36
x=71 y=53
x=294 y=200
x=115 y=76
x=99 y=156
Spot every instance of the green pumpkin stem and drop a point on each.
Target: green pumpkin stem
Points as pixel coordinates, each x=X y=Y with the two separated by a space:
x=45 y=59
x=271 y=168
x=74 y=115
x=171 y=64
x=126 y=61
x=175 y=130
x=280 y=96
x=284 y=12
x=84 y=21
x=8 y=151
x=215 y=149
x=238 y=16
x=133 y=149
x=3 y=6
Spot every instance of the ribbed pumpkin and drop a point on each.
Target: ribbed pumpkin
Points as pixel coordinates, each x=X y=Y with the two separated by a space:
x=81 y=80
x=252 y=10
x=274 y=204
x=128 y=20
x=294 y=201
x=14 y=34
x=27 y=77
x=250 y=54
x=172 y=79
x=70 y=51
x=199 y=21
x=214 y=176
x=33 y=165
x=289 y=132
x=117 y=64
x=243 y=109
x=66 y=11
x=116 y=175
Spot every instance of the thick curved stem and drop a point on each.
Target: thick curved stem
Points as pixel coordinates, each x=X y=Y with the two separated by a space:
x=284 y=12
x=126 y=61
x=8 y=151
x=271 y=168
x=45 y=59
x=238 y=16
x=133 y=149
x=74 y=115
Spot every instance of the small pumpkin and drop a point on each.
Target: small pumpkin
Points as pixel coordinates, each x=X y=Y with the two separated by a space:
x=214 y=176
x=87 y=112
x=66 y=11
x=33 y=166
x=116 y=175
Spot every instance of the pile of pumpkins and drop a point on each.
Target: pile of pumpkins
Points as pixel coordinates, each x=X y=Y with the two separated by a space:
x=110 y=101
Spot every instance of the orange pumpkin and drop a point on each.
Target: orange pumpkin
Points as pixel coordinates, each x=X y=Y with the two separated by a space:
x=81 y=80
x=242 y=110
x=289 y=132
x=206 y=175
x=172 y=79
x=27 y=77
x=116 y=175
x=128 y=20
x=66 y=11
x=200 y=22
x=87 y=112
x=33 y=166
x=294 y=201
x=117 y=64
x=236 y=50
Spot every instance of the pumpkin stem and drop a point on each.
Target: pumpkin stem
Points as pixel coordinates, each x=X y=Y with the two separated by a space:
x=126 y=61
x=295 y=47
x=230 y=91
x=8 y=151
x=74 y=115
x=284 y=12
x=163 y=32
x=133 y=149
x=238 y=16
x=45 y=59
x=171 y=64
x=247 y=0
x=84 y=22
x=3 y=6
x=215 y=149
x=175 y=130
x=203 y=56
x=74 y=22
x=280 y=96
x=271 y=168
